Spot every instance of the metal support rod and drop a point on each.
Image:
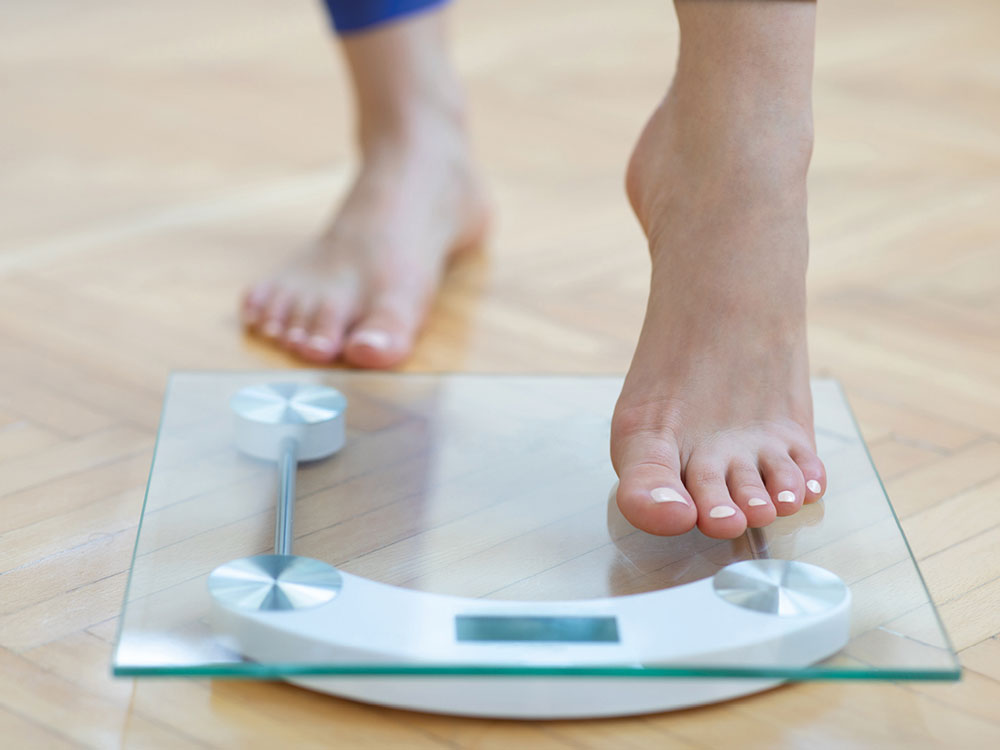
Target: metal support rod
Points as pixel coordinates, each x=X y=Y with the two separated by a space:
x=759 y=549
x=287 y=466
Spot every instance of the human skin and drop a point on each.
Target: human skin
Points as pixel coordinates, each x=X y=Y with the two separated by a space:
x=714 y=423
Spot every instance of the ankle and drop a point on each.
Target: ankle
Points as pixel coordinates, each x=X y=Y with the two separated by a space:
x=414 y=127
x=407 y=93
x=698 y=148
x=743 y=86
x=757 y=122
x=749 y=51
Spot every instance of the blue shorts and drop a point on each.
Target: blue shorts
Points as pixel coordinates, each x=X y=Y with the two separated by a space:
x=349 y=16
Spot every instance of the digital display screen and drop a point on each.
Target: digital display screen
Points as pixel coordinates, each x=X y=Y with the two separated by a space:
x=514 y=629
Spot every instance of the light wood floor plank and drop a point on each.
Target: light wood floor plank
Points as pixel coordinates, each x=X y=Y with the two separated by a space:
x=159 y=156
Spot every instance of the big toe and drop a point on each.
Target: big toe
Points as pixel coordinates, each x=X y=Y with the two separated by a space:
x=385 y=335
x=651 y=494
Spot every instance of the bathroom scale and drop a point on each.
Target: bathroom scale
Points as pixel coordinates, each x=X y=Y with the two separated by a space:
x=451 y=543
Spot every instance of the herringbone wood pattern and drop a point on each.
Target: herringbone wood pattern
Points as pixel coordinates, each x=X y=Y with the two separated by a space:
x=158 y=155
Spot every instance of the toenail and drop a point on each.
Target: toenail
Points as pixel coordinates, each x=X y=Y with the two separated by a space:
x=786 y=496
x=296 y=336
x=722 y=511
x=320 y=343
x=813 y=486
x=372 y=339
x=755 y=501
x=271 y=328
x=667 y=495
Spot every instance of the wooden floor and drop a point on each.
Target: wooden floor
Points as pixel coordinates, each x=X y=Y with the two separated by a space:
x=156 y=156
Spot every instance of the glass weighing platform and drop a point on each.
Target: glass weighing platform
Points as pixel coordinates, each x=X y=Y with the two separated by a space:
x=451 y=543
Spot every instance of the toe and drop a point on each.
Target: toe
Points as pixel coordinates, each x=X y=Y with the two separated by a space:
x=254 y=302
x=275 y=314
x=813 y=472
x=384 y=336
x=718 y=515
x=325 y=333
x=746 y=487
x=784 y=481
x=651 y=494
x=299 y=321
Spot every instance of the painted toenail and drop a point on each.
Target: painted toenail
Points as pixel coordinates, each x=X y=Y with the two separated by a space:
x=755 y=501
x=271 y=328
x=372 y=339
x=786 y=496
x=320 y=343
x=813 y=486
x=722 y=511
x=667 y=495
x=296 y=336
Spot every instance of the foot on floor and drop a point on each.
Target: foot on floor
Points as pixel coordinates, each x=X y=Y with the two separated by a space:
x=362 y=289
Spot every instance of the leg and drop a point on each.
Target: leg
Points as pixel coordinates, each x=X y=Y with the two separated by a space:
x=714 y=423
x=361 y=290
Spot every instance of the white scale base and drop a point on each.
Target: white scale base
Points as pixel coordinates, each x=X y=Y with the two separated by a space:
x=753 y=613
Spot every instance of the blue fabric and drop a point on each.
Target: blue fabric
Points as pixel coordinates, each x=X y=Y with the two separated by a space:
x=357 y=15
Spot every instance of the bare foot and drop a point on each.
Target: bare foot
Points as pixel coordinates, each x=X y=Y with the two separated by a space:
x=361 y=291
x=714 y=423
